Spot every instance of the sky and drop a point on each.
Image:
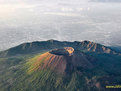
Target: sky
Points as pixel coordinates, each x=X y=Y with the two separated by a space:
x=70 y=20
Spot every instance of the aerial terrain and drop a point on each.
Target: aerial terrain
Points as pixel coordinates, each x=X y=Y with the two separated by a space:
x=59 y=66
x=60 y=45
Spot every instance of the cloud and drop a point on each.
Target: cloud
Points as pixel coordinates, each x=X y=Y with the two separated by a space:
x=105 y=0
x=61 y=14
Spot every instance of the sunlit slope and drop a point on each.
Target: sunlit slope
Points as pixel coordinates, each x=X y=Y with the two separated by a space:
x=47 y=61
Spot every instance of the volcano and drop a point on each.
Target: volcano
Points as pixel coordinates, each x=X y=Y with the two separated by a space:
x=63 y=60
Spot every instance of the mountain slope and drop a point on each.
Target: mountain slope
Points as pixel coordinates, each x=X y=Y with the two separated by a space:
x=68 y=69
x=64 y=66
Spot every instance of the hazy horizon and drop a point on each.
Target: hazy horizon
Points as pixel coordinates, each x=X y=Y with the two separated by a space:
x=70 y=20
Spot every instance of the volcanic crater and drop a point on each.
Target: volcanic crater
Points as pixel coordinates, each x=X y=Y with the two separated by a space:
x=66 y=51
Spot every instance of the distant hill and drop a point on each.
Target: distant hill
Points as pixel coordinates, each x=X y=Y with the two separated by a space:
x=36 y=47
x=117 y=48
